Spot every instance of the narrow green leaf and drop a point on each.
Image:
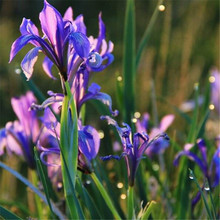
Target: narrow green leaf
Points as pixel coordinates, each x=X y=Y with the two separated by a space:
x=193 y=128
x=87 y=200
x=105 y=196
x=6 y=214
x=193 y=177
x=130 y=203
x=129 y=62
x=42 y=178
x=148 y=210
x=33 y=188
x=147 y=33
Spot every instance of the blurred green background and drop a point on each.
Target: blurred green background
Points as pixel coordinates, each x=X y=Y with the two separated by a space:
x=184 y=45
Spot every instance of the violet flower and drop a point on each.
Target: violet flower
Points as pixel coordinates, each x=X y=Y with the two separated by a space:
x=88 y=141
x=80 y=96
x=159 y=145
x=211 y=170
x=20 y=136
x=64 y=43
x=133 y=149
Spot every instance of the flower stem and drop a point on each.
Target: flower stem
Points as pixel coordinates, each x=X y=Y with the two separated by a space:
x=130 y=204
x=105 y=196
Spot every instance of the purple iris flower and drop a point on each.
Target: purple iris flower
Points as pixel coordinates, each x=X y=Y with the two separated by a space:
x=133 y=149
x=64 y=43
x=203 y=162
x=212 y=172
x=161 y=144
x=88 y=140
x=80 y=95
x=20 y=136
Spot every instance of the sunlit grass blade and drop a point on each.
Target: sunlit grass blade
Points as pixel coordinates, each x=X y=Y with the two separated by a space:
x=6 y=214
x=87 y=200
x=130 y=202
x=42 y=178
x=184 y=185
x=33 y=188
x=147 y=33
x=69 y=152
x=22 y=208
x=119 y=91
x=193 y=177
x=105 y=196
x=129 y=62
x=193 y=128
x=148 y=210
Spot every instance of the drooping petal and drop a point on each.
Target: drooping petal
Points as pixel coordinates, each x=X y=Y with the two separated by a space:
x=28 y=119
x=192 y=157
x=28 y=62
x=28 y=27
x=19 y=44
x=89 y=142
x=68 y=15
x=166 y=121
x=79 y=22
x=47 y=65
x=2 y=140
x=142 y=125
x=51 y=123
x=102 y=32
x=202 y=148
x=80 y=43
x=93 y=93
x=53 y=27
x=108 y=58
x=216 y=163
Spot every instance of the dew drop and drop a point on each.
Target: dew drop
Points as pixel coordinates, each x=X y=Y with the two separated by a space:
x=206 y=186
x=88 y=182
x=191 y=176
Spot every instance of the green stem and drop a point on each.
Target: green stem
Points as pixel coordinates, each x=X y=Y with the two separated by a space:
x=105 y=196
x=147 y=33
x=130 y=204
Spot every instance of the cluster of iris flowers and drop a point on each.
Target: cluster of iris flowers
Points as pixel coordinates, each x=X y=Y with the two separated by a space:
x=76 y=56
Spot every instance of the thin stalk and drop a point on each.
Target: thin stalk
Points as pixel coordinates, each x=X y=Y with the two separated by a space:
x=33 y=188
x=130 y=204
x=105 y=196
x=203 y=197
x=147 y=33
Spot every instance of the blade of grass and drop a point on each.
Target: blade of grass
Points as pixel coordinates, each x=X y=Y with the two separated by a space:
x=33 y=188
x=148 y=210
x=129 y=62
x=43 y=179
x=130 y=203
x=184 y=184
x=6 y=214
x=87 y=200
x=191 y=173
x=105 y=196
x=147 y=33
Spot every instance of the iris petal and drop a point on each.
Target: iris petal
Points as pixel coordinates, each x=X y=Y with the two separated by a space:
x=28 y=62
